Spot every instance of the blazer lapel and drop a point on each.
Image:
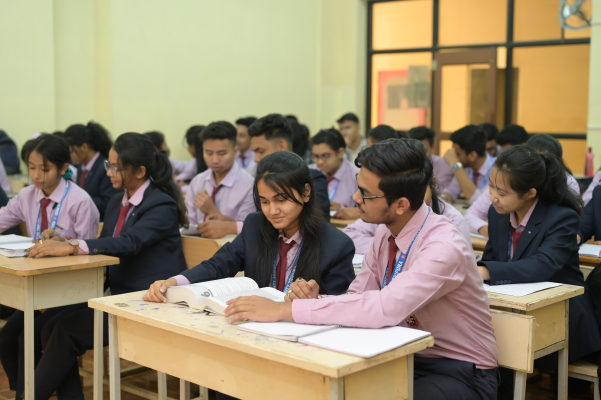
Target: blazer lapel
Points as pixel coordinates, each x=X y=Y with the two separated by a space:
x=504 y=225
x=531 y=230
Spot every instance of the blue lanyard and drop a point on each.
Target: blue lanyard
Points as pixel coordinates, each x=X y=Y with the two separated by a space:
x=485 y=180
x=331 y=195
x=291 y=276
x=402 y=258
x=509 y=244
x=57 y=211
x=124 y=222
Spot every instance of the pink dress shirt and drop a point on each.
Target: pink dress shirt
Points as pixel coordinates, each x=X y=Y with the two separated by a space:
x=482 y=182
x=442 y=172
x=78 y=217
x=362 y=233
x=178 y=166
x=588 y=195
x=249 y=164
x=440 y=287
x=4 y=179
x=234 y=199
x=477 y=214
x=520 y=228
x=344 y=184
x=189 y=171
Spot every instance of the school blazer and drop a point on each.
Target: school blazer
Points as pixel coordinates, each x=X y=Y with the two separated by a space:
x=337 y=251
x=98 y=185
x=320 y=185
x=590 y=222
x=4 y=201
x=547 y=251
x=150 y=245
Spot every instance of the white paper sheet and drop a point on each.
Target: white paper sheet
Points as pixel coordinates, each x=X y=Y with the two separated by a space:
x=520 y=289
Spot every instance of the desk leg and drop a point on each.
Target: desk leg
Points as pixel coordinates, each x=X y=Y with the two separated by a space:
x=29 y=341
x=410 y=376
x=98 y=354
x=184 y=390
x=519 y=388
x=562 y=368
x=336 y=388
x=114 y=363
x=162 y=383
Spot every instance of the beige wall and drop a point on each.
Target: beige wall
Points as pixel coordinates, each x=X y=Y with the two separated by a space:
x=136 y=65
x=594 y=93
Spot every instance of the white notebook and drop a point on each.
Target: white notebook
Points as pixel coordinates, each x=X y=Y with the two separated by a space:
x=358 y=260
x=289 y=331
x=15 y=245
x=592 y=250
x=520 y=289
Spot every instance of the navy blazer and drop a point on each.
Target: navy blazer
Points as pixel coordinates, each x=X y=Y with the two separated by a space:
x=547 y=251
x=4 y=201
x=337 y=251
x=320 y=185
x=590 y=222
x=98 y=185
x=150 y=244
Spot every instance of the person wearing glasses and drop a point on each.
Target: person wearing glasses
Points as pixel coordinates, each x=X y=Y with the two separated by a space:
x=142 y=228
x=328 y=156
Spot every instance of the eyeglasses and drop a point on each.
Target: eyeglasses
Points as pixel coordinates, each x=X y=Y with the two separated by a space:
x=363 y=194
x=108 y=166
x=324 y=157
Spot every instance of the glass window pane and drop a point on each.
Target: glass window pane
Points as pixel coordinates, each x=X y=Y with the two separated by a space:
x=472 y=22
x=536 y=20
x=402 y=24
x=401 y=90
x=552 y=88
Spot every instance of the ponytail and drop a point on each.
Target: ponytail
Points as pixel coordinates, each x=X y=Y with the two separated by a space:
x=93 y=134
x=526 y=169
x=162 y=176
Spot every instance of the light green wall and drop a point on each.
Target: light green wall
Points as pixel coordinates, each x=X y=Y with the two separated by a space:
x=594 y=93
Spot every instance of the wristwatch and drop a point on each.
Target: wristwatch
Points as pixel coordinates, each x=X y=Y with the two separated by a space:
x=75 y=244
x=456 y=166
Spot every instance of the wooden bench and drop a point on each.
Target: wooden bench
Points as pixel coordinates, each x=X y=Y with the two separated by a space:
x=586 y=371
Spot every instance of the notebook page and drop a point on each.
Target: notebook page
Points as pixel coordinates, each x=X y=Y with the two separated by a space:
x=268 y=293
x=228 y=285
x=593 y=250
x=13 y=242
x=358 y=260
x=284 y=328
x=520 y=289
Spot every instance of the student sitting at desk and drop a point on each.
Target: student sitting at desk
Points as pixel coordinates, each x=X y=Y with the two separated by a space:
x=533 y=225
x=419 y=272
x=245 y=156
x=51 y=204
x=141 y=227
x=363 y=232
x=90 y=145
x=220 y=198
x=441 y=170
x=193 y=167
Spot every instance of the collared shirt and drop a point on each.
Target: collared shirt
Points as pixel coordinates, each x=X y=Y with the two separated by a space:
x=440 y=287
x=90 y=164
x=249 y=164
x=477 y=214
x=4 y=183
x=78 y=217
x=234 y=199
x=520 y=228
x=344 y=184
x=362 y=233
x=177 y=166
x=588 y=195
x=351 y=155
x=442 y=172
x=189 y=171
x=455 y=190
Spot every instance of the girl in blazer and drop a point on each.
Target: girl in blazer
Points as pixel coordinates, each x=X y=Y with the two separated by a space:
x=533 y=223
x=90 y=145
x=141 y=228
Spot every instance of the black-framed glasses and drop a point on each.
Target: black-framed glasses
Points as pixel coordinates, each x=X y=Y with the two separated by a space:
x=111 y=167
x=363 y=194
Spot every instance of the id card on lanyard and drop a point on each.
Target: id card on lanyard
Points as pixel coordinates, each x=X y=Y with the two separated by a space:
x=402 y=258
x=333 y=192
x=484 y=183
x=57 y=211
x=291 y=276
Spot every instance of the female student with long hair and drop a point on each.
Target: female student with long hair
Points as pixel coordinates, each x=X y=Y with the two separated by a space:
x=51 y=203
x=90 y=145
x=533 y=226
x=141 y=227
x=328 y=148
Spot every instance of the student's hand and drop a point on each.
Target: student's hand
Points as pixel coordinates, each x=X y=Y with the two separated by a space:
x=157 y=289
x=335 y=206
x=50 y=248
x=446 y=197
x=451 y=157
x=217 y=229
x=484 y=273
x=483 y=231
x=204 y=203
x=49 y=232
x=257 y=309
x=301 y=289
x=347 y=213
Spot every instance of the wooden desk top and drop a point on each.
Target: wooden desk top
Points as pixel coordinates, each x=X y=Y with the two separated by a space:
x=590 y=261
x=535 y=300
x=215 y=329
x=341 y=223
x=220 y=242
x=21 y=266
x=478 y=244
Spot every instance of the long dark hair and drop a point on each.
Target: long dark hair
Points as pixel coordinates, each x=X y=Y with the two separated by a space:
x=136 y=150
x=284 y=172
x=526 y=169
x=93 y=134
x=544 y=143
x=53 y=149
x=437 y=205
x=201 y=165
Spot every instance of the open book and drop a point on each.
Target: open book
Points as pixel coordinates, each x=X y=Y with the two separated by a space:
x=15 y=245
x=213 y=295
x=520 y=289
x=591 y=250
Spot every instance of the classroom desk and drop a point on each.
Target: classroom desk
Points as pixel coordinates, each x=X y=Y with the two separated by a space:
x=550 y=308
x=341 y=223
x=207 y=350
x=27 y=284
x=478 y=244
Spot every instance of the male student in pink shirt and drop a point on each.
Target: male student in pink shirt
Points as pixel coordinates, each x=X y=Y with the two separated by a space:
x=419 y=273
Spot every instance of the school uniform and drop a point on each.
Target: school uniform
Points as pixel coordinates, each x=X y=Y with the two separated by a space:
x=479 y=177
x=362 y=233
x=477 y=214
x=247 y=160
x=178 y=166
x=590 y=222
x=94 y=180
x=3 y=202
x=351 y=155
x=439 y=290
x=4 y=183
x=588 y=194
x=343 y=184
x=189 y=171
x=320 y=185
x=442 y=172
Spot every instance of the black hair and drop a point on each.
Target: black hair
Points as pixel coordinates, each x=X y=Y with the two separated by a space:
x=471 y=138
x=512 y=135
x=348 y=117
x=25 y=151
x=422 y=133
x=201 y=165
x=306 y=132
x=192 y=132
x=382 y=132
x=331 y=137
x=544 y=143
x=247 y=121
x=57 y=133
x=292 y=118
x=53 y=149
x=491 y=130
x=402 y=134
x=135 y=151
x=93 y=134
x=283 y=172
x=526 y=169
x=403 y=167
x=300 y=144
x=436 y=202
x=156 y=137
x=273 y=126
x=220 y=130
